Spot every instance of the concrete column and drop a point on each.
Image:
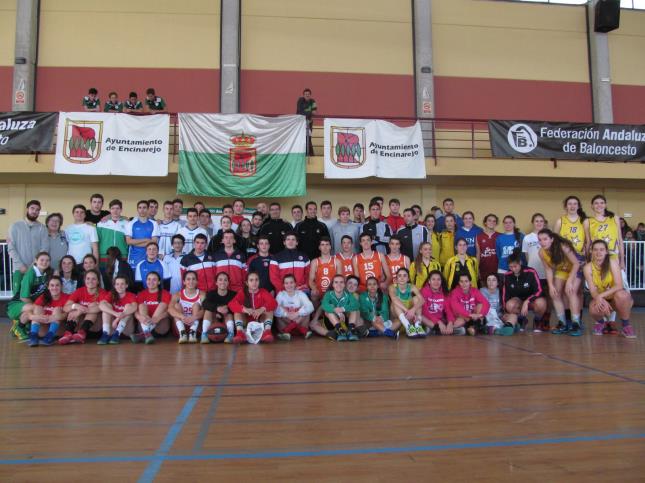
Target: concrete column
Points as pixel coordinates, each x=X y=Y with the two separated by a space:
x=230 y=34
x=423 y=68
x=25 y=52
x=600 y=70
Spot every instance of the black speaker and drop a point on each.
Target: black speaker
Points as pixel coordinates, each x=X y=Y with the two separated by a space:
x=607 y=15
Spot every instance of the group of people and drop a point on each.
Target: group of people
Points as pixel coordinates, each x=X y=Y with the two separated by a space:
x=152 y=104
x=253 y=276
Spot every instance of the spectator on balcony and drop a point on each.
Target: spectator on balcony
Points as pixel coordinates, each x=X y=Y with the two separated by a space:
x=133 y=104
x=640 y=232
x=307 y=107
x=113 y=104
x=91 y=101
x=154 y=103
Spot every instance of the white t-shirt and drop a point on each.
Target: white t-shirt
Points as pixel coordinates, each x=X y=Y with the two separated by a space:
x=299 y=303
x=189 y=235
x=79 y=240
x=531 y=246
x=166 y=232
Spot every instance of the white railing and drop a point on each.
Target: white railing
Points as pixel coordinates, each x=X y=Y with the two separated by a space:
x=6 y=272
x=635 y=264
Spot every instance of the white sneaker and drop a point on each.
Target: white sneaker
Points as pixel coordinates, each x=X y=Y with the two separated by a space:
x=183 y=338
x=411 y=331
x=420 y=331
x=282 y=336
x=229 y=338
x=192 y=338
x=205 y=339
x=308 y=334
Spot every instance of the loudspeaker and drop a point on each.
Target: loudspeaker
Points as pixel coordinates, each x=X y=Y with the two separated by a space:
x=607 y=15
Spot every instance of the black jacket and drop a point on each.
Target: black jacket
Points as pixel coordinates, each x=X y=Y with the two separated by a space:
x=275 y=230
x=309 y=232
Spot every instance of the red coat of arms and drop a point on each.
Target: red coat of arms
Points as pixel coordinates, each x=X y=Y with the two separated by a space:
x=242 y=157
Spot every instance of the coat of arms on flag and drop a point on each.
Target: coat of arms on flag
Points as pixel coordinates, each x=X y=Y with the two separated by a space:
x=347 y=146
x=83 y=141
x=242 y=159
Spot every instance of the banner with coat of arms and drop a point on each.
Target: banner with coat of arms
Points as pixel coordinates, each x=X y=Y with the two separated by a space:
x=96 y=143
x=359 y=148
x=242 y=155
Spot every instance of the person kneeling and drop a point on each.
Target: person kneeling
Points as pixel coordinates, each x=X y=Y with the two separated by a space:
x=293 y=311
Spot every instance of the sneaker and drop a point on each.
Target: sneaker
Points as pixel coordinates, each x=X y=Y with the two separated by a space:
x=308 y=334
x=267 y=336
x=459 y=331
x=598 y=328
x=66 y=339
x=192 y=337
x=105 y=339
x=33 y=339
x=136 y=338
x=114 y=340
x=204 y=339
x=471 y=330
x=420 y=330
x=22 y=333
x=284 y=336
x=505 y=331
x=628 y=332
x=48 y=339
x=341 y=336
x=12 y=331
x=79 y=337
x=545 y=326
x=229 y=338
x=240 y=337
x=183 y=337
x=373 y=333
x=576 y=330
x=611 y=329
x=411 y=331
x=538 y=326
x=352 y=336
x=149 y=339
x=560 y=329
x=331 y=335
x=392 y=334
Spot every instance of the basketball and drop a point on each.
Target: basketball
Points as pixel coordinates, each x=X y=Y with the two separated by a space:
x=217 y=332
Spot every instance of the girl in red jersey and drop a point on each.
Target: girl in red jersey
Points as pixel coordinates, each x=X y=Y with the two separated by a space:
x=469 y=307
x=436 y=314
x=485 y=246
x=186 y=308
x=252 y=303
x=82 y=308
x=152 y=312
x=117 y=309
x=48 y=309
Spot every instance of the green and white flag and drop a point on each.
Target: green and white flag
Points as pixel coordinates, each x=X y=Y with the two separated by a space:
x=242 y=155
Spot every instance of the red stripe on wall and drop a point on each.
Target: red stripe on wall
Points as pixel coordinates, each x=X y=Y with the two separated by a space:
x=6 y=88
x=185 y=90
x=477 y=98
x=368 y=95
x=629 y=104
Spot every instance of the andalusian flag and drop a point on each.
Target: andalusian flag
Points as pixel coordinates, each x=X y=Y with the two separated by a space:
x=242 y=155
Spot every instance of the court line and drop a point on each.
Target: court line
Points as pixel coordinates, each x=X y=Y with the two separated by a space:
x=565 y=361
x=152 y=469
x=212 y=410
x=157 y=459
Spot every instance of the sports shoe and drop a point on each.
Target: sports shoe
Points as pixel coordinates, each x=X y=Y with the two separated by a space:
x=545 y=326
x=560 y=329
x=284 y=336
x=149 y=339
x=538 y=326
x=421 y=332
x=240 y=337
x=598 y=328
x=22 y=333
x=628 y=332
x=204 y=339
x=341 y=336
x=576 y=330
x=505 y=331
x=79 y=337
x=192 y=337
x=33 y=339
x=411 y=331
x=471 y=330
x=392 y=334
x=308 y=334
x=114 y=339
x=136 y=338
x=611 y=328
x=352 y=336
x=459 y=331
x=183 y=337
x=105 y=339
x=66 y=339
x=267 y=336
x=331 y=335
x=12 y=331
x=48 y=339
x=229 y=338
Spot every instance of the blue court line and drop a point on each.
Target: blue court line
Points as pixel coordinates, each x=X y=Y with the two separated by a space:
x=565 y=361
x=212 y=410
x=158 y=459
x=155 y=464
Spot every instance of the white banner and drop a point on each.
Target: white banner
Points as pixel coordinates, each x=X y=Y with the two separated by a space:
x=94 y=143
x=358 y=148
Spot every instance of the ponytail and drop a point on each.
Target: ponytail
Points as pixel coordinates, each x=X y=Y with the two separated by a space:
x=609 y=214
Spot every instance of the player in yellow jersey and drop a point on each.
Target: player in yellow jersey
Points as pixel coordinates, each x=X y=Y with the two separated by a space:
x=605 y=284
x=447 y=240
x=605 y=225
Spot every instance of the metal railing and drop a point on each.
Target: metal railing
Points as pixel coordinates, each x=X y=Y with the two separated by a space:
x=6 y=272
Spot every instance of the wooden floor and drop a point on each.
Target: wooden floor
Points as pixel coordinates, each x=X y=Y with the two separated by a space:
x=533 y=407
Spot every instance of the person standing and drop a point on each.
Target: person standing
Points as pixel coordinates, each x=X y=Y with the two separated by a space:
x=111 y=233
x=26 y=239
x=56 y=238
x=81 y=236
x=310 y=231
x=96 y=212
x=344 y=227
x=307 y=107
x=139 y=232
x=168 y=228
x=275 y=228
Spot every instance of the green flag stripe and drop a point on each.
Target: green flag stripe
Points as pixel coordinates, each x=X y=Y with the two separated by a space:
x=209 y=174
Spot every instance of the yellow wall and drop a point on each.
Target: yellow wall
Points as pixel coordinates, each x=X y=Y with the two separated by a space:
x=506 y=40
x=7 y=32
x=125 y=33
x=357 y=36
x=627 y=49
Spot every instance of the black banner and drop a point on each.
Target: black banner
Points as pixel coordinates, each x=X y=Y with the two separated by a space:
x=565 y=140
x=27 y=132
